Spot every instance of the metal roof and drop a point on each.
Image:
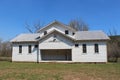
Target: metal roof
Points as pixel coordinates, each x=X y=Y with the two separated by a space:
x=79 y=35
x=25 y=38
x=91 y=35
x=56 y=22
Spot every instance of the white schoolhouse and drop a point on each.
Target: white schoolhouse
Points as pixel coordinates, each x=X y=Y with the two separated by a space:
x=57 y=42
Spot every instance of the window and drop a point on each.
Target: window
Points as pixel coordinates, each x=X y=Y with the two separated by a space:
x=96 y=48
x=73 y=33
x=29 y=49
x=66 y=32
x=54 y=40
x=84 y=48
x=54 y=36
x=76 y=45
x=45 y=32
x=36 y=46
x=20 y=48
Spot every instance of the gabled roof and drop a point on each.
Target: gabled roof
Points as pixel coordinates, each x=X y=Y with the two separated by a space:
x=91 y=35
x=56 y=22
x=79 y=36
x=25 y=38
x=35 y=37
x=57 y=32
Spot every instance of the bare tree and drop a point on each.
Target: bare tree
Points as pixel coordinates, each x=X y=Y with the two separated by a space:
x=5 y=49
x=112 y=32
x=78 y=25
x=0 y=45
x=114 y=46
x=34 y=28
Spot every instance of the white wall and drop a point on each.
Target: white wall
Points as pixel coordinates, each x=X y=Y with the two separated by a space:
x=24 y=56
x=58 y=28
x=90 y=56
x=60 y=43
x=77 y=54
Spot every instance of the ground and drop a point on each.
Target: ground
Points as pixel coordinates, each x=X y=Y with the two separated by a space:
x=61 y=71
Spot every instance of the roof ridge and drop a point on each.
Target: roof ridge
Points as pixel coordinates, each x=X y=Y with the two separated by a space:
x=55 y=21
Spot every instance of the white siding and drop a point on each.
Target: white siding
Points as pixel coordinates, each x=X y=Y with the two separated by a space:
x=24 y=56
x=60 y=43
x=90 y=56
x=77 y=54
x=58 y=28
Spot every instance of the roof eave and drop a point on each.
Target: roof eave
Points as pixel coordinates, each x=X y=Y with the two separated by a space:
x=94 y=40
x=23 y=41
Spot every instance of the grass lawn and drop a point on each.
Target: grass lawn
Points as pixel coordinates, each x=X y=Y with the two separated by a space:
x=55 y=71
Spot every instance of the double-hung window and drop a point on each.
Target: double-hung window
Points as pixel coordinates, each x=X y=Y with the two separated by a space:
x=20 y=48
x=29 y=48
x=84 y=48
x=96 y=47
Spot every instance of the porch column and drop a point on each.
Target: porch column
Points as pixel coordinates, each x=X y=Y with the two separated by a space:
x=38 y=55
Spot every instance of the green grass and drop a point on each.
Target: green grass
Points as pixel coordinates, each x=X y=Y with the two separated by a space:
x=55 y=71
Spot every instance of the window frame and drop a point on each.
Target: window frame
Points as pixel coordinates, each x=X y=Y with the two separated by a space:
x=84 y=48
x=29 y=49
x=54 y=35
x=76 y=45
x=66 y=32
x=36 y=46
x=73 y=33
x=96 y=48
x=20 y=49
x=45 y=32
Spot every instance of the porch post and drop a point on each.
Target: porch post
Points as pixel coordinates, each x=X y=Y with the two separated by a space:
x=38 y=55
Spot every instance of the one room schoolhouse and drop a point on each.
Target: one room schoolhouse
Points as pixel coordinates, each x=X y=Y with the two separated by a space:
x=57 y=42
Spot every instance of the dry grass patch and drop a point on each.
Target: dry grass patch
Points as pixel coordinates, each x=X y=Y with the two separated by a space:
x=48 y=71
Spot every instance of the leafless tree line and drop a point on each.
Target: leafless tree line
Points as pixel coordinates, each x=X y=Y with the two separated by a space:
x=114 y=48
x=77 y=24
x=34 y=28
x=5 y=48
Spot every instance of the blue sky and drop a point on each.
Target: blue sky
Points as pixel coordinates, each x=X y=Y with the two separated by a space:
x=98 y=14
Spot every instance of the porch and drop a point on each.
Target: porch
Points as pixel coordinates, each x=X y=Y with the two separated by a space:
x=56 y=55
